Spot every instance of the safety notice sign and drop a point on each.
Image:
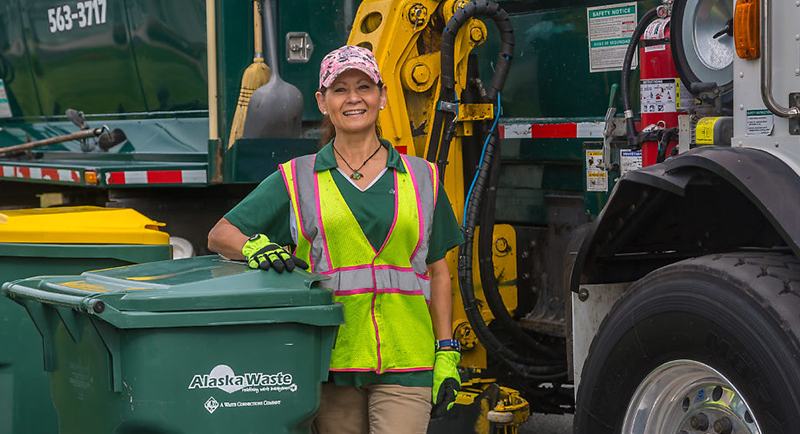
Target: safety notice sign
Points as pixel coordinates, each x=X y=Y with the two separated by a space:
x=610 y=30
x=5 y=108
x=596 y=175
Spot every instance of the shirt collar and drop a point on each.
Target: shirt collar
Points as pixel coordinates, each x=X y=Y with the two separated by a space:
x=326 y=160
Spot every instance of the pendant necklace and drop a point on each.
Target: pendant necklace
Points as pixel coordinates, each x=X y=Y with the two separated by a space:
x=356 y=175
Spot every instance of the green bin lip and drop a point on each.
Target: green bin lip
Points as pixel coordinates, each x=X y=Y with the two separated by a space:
x=133 y=253
x=199 y=291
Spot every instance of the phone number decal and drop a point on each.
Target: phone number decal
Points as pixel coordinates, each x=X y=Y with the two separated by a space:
x=85 y=14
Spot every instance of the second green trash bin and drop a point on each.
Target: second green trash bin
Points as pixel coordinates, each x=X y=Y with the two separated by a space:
x=200 y=345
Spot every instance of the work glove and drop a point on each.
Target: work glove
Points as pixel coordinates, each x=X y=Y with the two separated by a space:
x=446 y=381
x=263 y=253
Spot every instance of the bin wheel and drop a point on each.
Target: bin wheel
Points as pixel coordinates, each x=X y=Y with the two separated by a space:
x=706 y=345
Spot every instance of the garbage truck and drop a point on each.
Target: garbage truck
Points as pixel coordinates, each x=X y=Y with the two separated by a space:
x=635 y=162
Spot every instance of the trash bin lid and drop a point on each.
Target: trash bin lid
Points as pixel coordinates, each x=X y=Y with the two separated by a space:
x=185 y=292
x=79 y=225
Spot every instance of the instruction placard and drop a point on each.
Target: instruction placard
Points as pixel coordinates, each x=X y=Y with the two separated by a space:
x=5 y=107
x=759 y=123
x=659 y=96
x=596 y=178
x=610 y=29
x=629 y=161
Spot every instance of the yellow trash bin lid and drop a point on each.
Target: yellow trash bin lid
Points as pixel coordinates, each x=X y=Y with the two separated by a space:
x=80 y=225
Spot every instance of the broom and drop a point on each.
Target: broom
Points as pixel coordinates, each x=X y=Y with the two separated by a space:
x=255 y=76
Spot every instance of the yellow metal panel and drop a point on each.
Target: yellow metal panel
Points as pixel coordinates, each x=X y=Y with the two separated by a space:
x=80 y=225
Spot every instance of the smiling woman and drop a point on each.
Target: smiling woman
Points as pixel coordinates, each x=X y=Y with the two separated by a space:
x=379 y=224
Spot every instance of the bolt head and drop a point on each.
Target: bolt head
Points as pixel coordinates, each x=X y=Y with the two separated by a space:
x=583 y=294
x=476 y=35
x=99 y=307
x=421 y=74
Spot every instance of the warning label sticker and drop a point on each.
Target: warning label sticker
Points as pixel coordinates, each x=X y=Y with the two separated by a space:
x=610 y=29
x=596 y=177
x=659 y=96
x=5 y=107
x=629 y=161
x=759 y=123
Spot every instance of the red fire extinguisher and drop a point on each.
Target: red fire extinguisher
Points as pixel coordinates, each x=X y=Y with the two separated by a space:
x=662 y=98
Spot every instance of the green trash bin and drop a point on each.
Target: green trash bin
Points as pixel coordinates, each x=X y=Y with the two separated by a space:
x=56 y=241
x=198 y=345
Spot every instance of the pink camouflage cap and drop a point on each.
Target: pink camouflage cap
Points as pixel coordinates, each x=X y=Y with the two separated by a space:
x=348 y=57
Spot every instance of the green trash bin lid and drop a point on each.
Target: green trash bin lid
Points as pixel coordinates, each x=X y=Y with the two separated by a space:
x=200 y=291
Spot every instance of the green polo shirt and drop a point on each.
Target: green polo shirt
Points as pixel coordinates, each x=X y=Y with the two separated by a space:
x=266 y=210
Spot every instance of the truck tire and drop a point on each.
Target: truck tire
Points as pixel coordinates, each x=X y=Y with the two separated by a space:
x=706 y=345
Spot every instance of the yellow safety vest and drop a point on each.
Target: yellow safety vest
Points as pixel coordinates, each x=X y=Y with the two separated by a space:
x=385 y=292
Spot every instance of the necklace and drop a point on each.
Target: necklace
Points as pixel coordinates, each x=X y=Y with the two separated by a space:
x=356 y=175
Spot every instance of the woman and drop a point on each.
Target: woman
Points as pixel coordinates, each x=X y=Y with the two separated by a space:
x=379 y=224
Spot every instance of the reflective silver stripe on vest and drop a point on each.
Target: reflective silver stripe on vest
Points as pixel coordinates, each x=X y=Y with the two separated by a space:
x=304 y=178
x=422 y=172
x=355 y=279
x=385 y=279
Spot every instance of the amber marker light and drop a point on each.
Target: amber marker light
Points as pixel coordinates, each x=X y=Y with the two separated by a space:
x=746 y=26
x=90 y=177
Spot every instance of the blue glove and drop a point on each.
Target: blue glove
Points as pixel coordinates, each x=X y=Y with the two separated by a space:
x=446 y=381
x=263 y=253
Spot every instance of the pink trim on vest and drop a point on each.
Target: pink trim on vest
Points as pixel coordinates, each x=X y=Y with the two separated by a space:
x=362 y=267
x=319 y=218
x=377 y=335
x=298 y=216
x=388 y=370
x=377 y=291
x=419 y=206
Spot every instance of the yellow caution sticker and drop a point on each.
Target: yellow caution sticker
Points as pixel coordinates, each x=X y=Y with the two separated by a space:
x=705 y=131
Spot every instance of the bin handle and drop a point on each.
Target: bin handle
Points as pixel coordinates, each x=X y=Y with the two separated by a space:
x=73 y=301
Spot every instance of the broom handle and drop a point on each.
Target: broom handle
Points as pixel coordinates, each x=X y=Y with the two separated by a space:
x=258 y=43
x=271 y=45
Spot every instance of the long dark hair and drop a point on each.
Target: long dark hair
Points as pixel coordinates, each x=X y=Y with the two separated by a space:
x=328 y=131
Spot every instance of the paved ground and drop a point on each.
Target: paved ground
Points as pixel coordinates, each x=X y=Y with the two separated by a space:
x=547 y=424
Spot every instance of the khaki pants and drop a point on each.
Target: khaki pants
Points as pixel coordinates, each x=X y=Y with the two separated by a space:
x=374 y=409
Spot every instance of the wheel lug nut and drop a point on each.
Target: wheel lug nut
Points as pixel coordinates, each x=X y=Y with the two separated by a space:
x=723 y=426
x=699 y=421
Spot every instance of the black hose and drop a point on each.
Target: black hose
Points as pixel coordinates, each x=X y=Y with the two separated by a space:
x=444 y=121
x=626 y=75
x=491 y=289
x=442 y=131
x=523 y=366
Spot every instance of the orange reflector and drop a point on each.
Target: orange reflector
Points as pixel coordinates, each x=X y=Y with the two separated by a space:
x=746 y=26
x=90 y=177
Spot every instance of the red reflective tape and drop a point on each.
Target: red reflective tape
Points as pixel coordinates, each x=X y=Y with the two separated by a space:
x=115 y=178
x=23 y=172
x=76 y=177
x=50 y=174
x=165 y=177
x=554 y=131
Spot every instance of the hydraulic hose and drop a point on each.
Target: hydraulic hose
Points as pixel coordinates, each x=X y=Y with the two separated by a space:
x=491 y=289
x=626 y=75
x=442 y=131
x=528 y=368
x=444 y=121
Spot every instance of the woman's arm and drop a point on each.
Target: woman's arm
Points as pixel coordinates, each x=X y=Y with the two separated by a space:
x=441 y=307
x=227 y=240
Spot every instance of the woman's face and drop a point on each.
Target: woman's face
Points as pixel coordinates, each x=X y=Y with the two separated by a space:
x=353 y=102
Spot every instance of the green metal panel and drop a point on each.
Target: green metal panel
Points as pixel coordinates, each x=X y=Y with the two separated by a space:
x=252 y=160
x=15 y=67
x=549 y=82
